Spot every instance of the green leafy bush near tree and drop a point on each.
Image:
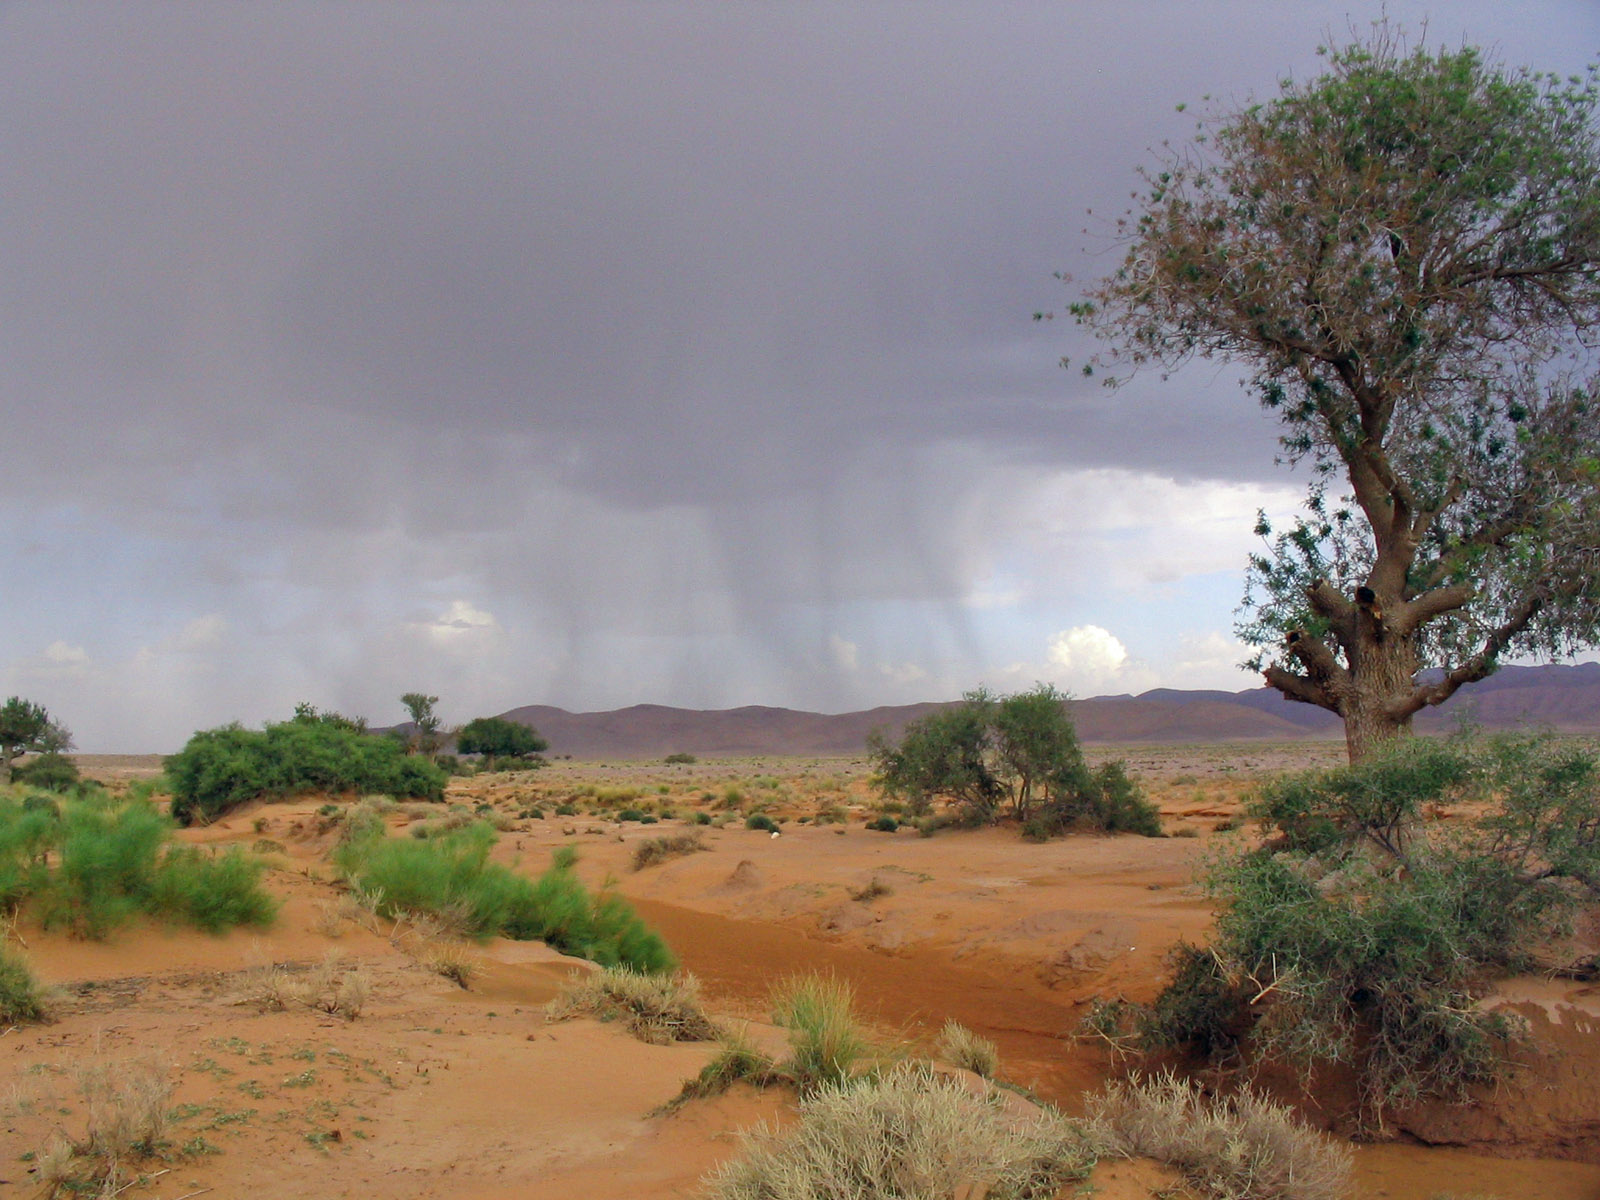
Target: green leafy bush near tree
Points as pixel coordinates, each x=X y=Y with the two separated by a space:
x=220 y=769
x=92 y=864
x=992 y=758
x=1366 y=934
x=451 y=876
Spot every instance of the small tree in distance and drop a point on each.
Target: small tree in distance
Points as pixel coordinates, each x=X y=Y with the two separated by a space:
x=997 y=757
x=24 y=727
x=1406 y=253
x=424 y=737
x=497 y=738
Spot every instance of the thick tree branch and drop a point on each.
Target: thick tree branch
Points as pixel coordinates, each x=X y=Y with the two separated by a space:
x=1479 y=666
x=1414 y=614
x=1297 y=687
x=1320 y=663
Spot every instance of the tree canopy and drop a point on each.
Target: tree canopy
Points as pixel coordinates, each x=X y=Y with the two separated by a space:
x=1403 y=251
x=496 y=738
x=26 y=727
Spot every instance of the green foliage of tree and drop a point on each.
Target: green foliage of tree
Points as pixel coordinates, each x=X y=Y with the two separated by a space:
x=496 y=738
x=1342 y=942
x=424 y=737
x=1016 y=756
x=1405 y=251
x=219 y=769
x=25 y=727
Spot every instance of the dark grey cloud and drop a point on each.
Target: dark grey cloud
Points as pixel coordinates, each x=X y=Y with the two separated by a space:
x=705 y=326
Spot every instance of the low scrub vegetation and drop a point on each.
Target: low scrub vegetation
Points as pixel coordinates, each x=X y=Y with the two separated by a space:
x=126 y=1105
x=960 y=1047
x=451 y=877
x=22 y=999
x=220 y=769
x=659 y=849
x=1016 y=757
x=826 y=1043
x=1239 y=1146
x=911 y=1134
x=94 y=863
x=659 y=1009
x=1366 y=934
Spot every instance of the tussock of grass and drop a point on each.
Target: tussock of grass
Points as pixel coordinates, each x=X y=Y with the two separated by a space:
x=960 y=1047
x=738 y=1060
x=826 y=1045
x=658 y=1009
x=331 y=986
x=910 y=1135
x=1243 y=1147
x=126 y=1105
x=21 y=997
x=658 y=849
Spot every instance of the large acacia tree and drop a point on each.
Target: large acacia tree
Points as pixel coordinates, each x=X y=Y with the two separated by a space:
x=1403 y=251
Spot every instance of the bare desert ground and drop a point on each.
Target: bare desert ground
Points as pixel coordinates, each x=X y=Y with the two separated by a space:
x=435 y=1090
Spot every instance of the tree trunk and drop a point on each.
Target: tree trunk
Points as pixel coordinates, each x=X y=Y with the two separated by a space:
x=1382 y=679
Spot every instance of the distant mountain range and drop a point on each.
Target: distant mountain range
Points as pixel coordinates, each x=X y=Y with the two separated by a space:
x=1565 y=698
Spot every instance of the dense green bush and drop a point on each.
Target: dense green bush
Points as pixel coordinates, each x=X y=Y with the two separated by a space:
x=220 y=769
x=1366 y=933
x=94 y=863
x=994 y=757
x=21 y=997
x=451 y=876
x=762 y=822
x=51 y=772
x=497 y=738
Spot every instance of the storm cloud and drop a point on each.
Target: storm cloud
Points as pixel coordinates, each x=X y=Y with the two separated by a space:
x=603 y=353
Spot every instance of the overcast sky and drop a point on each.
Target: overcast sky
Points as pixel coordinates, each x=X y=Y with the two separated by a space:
x=593 y=354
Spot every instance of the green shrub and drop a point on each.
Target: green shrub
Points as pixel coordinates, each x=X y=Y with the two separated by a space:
x=631 y=814
x=883 y=824
x=52 y=772
x=21 y=997
x=451 y=876
x=220 y=769
x=681 y=757
x=702 y=818
x=101 y=862
x=761 y=821
x=1367 y=934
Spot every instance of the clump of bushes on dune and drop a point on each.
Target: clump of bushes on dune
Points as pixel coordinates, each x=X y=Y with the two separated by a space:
x=1366 y=933
x=995 y=758
x=91 y=864
x=450 y=876
x=220 y=769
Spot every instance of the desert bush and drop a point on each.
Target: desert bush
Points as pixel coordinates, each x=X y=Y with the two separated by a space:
x=98 y=862
x=21 y=997
x=451 y=876
x=883 y=825
x=762 y=822
x=1012 y=756
x=659 y=849
x=826 y=1044
x=680 y=757
x=659 y=1009
x=1242 y=1147
x=219 y=769
x=1366 y=934
x=52 y=772
x=960 y=1047
x=911 y=1135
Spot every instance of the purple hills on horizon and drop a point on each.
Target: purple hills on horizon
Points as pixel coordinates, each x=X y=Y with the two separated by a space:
x=1562 y=698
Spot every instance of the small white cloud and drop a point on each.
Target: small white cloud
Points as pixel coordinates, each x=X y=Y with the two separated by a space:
x=902 y=673
x=66 y=656
x=1087 y=651
x=202 y=633
x=846 y=655
x=461 y=620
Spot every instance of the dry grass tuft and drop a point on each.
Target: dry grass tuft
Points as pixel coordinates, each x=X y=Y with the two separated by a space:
x=331 y=987
x=960 y=1047
x=659 y=849
x=126 y=1106
x=1243 y=1147
x=909 y=1134
x=738 y=1060
x=657 y=1008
